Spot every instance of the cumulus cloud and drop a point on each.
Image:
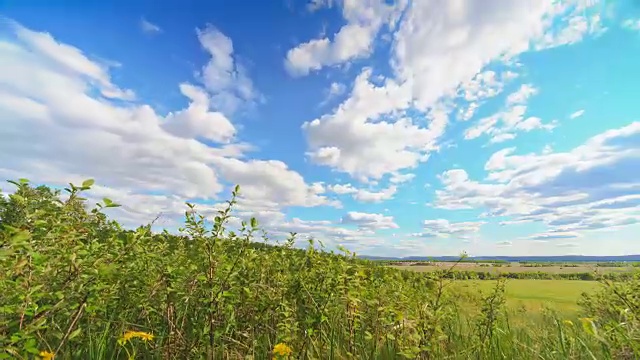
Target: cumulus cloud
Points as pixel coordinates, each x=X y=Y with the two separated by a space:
x=57 y=129
x=438 y=48
x=354 y=140
x=441 y=44
x=354 y=40
x=67 y=60
x=369 y=221
x=223 y=76
x=364 y=195
x=445 y=228
x=589 y=188
x=576 y=22
x=196 y=120
x=336 y=89
x=398 y=178
x=484 y=85
x=503 y=125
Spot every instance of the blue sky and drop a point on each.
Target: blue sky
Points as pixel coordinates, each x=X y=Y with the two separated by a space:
x=389 y=127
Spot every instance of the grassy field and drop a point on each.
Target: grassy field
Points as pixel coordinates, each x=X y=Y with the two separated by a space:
x=515 y=267
x=533 y=296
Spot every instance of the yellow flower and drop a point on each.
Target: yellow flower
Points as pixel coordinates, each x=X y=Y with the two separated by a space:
x=128 y=335
x=46 y=355
x=282 y=350
x=568 y=322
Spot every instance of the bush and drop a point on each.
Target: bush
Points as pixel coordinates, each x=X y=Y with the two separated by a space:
x=76 y=285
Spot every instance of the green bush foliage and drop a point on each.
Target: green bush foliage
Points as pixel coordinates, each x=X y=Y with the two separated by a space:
x=76 y=285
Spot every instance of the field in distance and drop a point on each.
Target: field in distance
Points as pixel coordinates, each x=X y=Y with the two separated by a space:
x=511 y=267
x=532 y=296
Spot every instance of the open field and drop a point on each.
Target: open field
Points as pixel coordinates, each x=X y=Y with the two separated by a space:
x=514 y=267
x=534 y=295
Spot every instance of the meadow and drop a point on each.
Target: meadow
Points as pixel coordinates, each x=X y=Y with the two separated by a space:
x=77 y=285
x=528 y=296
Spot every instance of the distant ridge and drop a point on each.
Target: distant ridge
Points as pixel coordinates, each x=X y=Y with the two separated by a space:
x=560 y=258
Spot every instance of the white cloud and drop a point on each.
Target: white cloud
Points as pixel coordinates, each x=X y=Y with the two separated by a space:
x=315 y=5
x=568 y=245
x=438 y=48
x=363 y=195
x=521 y=95
x=504 y=125
x=589 y=188
x=128 y=148
x=483 y=86
x=444 y=228
x=197 y=120
x=354 y=140
x=576 y=114
x=225 y=78
x=336 y=89
x=576 y=23
x=555 y=235
x=375 y=197
x=67 y=60
x=271 y=181
x=632 y=24
x=398 y=178
x=354 y=40
x=149 y=27
x=369 y=221
x=441 y=44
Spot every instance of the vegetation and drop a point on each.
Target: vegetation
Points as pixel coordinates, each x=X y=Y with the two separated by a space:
x=535 y=275
x=525 y=298
x=76 y=285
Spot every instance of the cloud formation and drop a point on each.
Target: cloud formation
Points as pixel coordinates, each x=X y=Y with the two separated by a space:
x=589 y=188
x=112 y=141
x=149 y=27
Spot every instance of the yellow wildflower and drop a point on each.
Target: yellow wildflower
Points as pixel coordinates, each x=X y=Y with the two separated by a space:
x=282 y=349
x=568 y=322
x=128 y=335
x=46 y=355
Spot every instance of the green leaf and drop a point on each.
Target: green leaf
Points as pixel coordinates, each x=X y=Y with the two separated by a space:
x=75 y=333
x=23 y=181
x=17 y=198
x=88 y=183
x=589 y=326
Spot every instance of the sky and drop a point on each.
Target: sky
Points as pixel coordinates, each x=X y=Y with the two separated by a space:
x=392 y=128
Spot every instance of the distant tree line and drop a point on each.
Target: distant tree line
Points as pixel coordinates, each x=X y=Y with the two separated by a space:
x=539 y=275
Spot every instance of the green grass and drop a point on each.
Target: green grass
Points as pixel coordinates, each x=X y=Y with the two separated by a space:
x=535 y=295
x=74 y=283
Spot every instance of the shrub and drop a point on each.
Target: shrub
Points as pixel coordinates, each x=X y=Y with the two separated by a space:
x=76 y=285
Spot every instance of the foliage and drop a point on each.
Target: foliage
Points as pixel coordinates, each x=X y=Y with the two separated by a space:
x=76 y=285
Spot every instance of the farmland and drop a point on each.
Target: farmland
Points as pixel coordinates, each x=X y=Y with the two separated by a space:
x=535 y=295
x=530 y=295
x=515 y=267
